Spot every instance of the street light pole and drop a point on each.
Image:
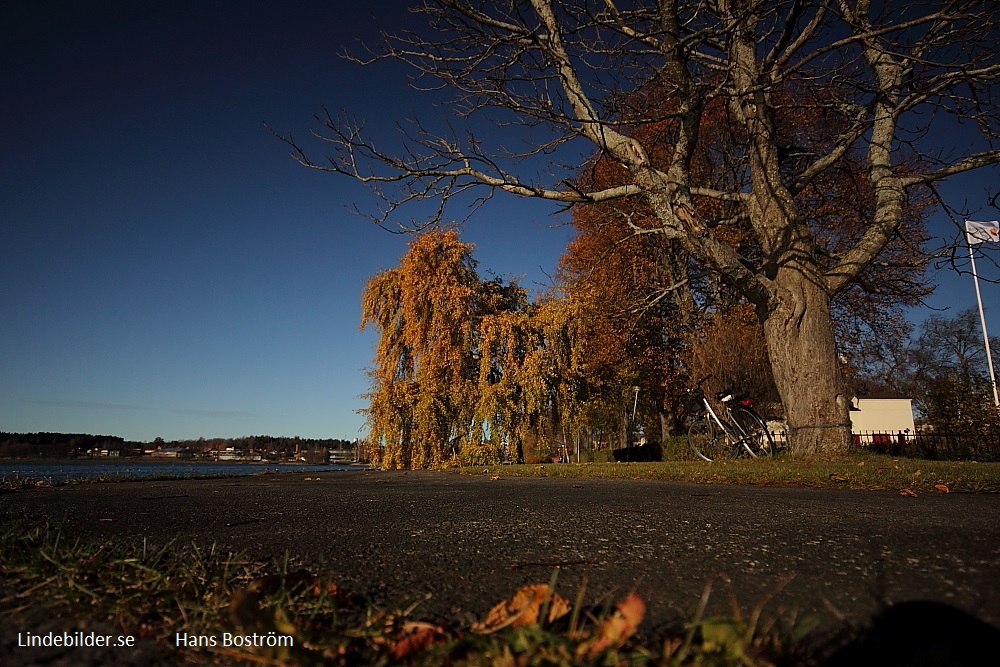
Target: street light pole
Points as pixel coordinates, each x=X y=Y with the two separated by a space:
x=631 y=425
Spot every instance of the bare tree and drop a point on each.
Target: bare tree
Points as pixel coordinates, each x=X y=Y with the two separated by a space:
x=889 y=73
x=949 y=378
x=950 y=347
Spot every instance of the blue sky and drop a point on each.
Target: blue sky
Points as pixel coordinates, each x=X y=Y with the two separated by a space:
x=166 y=269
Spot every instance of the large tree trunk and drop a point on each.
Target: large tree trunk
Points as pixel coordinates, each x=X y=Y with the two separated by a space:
x=802 y=347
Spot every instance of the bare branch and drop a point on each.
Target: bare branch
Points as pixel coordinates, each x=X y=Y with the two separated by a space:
x=569 y=69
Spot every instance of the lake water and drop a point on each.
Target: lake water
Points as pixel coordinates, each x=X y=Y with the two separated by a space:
x=60 y=471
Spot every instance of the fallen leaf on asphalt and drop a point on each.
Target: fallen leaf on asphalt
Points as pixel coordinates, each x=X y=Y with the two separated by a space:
x=942 y=488
x=416 y=637
x=494 y=476
x=909 y=493
x=523 y=609
x=617 y=627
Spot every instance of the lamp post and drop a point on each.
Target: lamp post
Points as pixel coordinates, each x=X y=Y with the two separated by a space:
x=631 y=424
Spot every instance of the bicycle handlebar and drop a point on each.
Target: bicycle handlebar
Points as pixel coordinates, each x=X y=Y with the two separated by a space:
x=703 y=380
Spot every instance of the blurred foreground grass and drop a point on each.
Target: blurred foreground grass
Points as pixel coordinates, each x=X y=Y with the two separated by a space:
x=162 y=594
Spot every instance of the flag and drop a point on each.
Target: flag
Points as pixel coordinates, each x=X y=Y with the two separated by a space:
x=982 y=232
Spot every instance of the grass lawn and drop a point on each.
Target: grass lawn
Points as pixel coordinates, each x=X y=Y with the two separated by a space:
x=858 y=470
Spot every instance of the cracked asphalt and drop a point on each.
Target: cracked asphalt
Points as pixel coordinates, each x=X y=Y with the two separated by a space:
x=468 y=542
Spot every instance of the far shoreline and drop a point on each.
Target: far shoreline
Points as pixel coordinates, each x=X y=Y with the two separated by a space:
x=157 y=459
x=102 y=470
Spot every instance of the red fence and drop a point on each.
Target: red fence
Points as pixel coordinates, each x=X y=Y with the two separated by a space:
x=940 y=446
x=935 y=446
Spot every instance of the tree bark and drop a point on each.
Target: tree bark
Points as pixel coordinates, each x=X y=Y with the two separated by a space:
x=801 y=344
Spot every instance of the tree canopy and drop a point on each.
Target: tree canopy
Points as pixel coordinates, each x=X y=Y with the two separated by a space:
x=886 y=78
x=464 y=368
x=426 y=311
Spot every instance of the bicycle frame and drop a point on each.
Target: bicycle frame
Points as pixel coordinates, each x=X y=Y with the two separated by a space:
x=736 y=424
x=733 y=437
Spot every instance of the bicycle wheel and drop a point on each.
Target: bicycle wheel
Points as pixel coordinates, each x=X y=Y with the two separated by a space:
x=755 y=436
x=707 y=440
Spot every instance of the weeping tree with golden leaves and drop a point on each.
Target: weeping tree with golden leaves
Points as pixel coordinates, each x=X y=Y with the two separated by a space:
x=464 y=369
x=429 y=311
x=556 y=375
x=425 y=311
x=506 y=340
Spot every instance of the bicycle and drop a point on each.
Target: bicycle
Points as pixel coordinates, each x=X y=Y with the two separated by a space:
x=711 y=437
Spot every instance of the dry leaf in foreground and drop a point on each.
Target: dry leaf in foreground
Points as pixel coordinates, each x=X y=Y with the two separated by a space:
x=416 y=636
x=523 y=609
x=617 y=627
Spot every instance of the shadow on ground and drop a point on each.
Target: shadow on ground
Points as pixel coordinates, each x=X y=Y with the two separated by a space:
x=921 y=634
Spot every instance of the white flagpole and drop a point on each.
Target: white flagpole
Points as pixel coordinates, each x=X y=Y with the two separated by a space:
x=982 y=320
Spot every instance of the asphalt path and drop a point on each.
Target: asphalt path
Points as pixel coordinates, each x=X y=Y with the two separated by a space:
x=468 y=541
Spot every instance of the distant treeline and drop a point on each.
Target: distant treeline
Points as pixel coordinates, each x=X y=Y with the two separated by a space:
x=257 y=443
x=55 y=445
x=69 y=445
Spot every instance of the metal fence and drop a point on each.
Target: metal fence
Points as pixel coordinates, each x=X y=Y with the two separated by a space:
x=935 y=446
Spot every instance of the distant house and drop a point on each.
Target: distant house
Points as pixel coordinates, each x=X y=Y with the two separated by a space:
x=881 y=416
x=166 y=452
x=314 y=454
x=227 y=454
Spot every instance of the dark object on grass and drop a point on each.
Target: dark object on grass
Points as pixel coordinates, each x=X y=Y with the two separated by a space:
x=648 y=452
x=922 y=634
